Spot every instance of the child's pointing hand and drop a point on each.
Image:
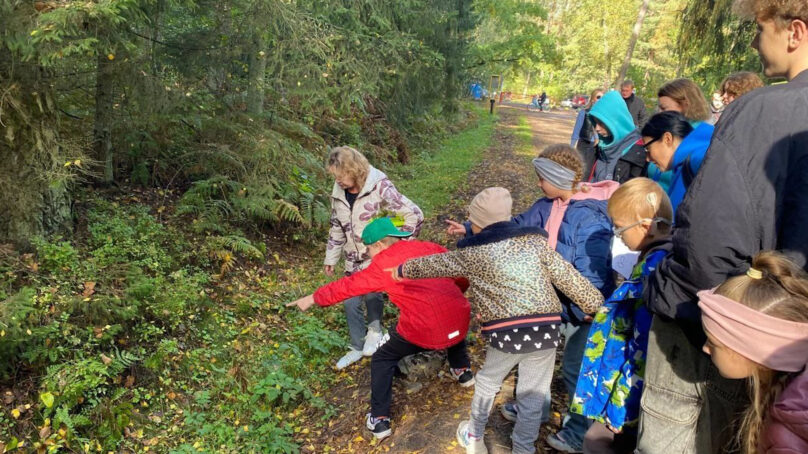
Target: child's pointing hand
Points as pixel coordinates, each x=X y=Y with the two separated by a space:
x=303 y=303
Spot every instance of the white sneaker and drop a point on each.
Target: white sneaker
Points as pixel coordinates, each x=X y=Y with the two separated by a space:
x=373 y=341
x=472 y=444
x=349 y=358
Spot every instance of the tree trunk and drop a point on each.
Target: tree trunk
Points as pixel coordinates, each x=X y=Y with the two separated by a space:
x=32 y=201
x=527 y=85
x=635 y=34
x=606 y=53
x=102 y=129
x=256 y=75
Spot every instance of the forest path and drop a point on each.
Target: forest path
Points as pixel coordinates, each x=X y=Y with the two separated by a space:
x=426 y=412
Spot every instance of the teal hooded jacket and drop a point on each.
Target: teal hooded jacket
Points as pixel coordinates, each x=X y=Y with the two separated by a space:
x=612 y=111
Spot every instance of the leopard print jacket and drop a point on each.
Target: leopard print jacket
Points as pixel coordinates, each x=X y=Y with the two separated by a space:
x=510 y=278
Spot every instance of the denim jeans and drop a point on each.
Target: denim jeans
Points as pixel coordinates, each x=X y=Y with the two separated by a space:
x=686 y=406
x=575 y=425
x=356 y=316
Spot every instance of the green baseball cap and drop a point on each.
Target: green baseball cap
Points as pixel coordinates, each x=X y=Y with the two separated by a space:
x=381 y=228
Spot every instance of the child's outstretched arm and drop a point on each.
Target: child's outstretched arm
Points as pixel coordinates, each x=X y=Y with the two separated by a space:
x=567 y=279
x=448 y=264
x=371 y=279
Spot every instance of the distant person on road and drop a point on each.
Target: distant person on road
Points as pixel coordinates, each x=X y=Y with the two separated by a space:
x=359 y=195
x=635 y=104
x=584 y=136
x=736 y=84
x=534 y=101
x=542 y=100
x=620 y=154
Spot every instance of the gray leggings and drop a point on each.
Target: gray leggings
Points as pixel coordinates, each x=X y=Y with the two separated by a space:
x=535 y=375
x=355 y=314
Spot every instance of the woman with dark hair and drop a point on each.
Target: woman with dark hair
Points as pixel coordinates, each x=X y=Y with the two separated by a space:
x=674 y=145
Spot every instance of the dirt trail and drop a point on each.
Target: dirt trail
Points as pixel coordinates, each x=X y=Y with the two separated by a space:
x=426 y=413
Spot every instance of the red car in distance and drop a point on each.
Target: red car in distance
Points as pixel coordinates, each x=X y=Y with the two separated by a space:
x=579 y=101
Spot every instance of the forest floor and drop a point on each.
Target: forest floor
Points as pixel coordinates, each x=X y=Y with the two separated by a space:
x=426 y=411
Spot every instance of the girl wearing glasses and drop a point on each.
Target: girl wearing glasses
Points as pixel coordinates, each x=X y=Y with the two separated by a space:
x=675 y=146
x=610 y=382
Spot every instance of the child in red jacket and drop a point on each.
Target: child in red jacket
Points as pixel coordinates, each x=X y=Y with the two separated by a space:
x=434 y=314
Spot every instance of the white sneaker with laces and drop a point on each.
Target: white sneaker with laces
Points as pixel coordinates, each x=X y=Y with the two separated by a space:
x=373 y=341
x=349 y=358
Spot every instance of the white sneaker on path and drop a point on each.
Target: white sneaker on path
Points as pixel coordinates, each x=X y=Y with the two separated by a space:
x=349 y=358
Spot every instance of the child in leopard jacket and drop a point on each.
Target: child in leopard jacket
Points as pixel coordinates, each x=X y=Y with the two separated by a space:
x=519 y=310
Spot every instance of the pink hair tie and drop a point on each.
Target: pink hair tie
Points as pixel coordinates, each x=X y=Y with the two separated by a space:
x=773 y=342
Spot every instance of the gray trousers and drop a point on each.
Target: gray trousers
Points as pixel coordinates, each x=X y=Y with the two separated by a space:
x=535 y=375
x=686 y=406
x=355 y=314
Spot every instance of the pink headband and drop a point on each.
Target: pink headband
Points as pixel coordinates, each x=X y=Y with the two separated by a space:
x=773 y=342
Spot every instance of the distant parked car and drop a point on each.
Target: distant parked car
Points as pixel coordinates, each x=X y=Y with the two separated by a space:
x=579 y=101
x=566 y=103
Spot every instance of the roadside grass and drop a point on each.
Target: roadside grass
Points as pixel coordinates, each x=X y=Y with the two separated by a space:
x=432 y=178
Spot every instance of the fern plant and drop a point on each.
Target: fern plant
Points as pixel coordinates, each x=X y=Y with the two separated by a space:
x=226 y=249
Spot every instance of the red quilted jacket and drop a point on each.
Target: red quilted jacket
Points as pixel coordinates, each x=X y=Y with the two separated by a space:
x=434 y=314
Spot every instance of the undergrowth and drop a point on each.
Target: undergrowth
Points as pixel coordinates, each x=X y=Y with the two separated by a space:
x=162 y=328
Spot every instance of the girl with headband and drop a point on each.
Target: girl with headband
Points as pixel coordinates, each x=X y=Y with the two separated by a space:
x=757 y=328
x=575 y=216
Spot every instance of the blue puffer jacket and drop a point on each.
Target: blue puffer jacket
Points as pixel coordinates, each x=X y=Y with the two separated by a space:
x=584 y=240
x=690 y=151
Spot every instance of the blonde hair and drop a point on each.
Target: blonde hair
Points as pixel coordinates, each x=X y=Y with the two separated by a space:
x=643 y=198
x=740 y=82
x=689 y=96
x=592 y=97
x=781 y=292
x=782 y=11
x=348 y=161
x=566 y=156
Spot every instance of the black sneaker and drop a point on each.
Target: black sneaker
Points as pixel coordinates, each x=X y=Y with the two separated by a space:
x=463 y=376
x=379 y=426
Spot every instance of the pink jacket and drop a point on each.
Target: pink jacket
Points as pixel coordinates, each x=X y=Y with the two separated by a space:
x=786 y=431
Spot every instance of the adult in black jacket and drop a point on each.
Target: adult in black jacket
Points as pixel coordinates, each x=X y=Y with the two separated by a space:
x=635 y=104
x=751 y=194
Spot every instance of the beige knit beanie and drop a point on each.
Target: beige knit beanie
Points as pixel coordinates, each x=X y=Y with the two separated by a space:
x=491 y=205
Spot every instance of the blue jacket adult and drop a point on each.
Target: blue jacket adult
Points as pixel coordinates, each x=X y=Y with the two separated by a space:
x=584 y=240
x=687 y=161
x=665 y=179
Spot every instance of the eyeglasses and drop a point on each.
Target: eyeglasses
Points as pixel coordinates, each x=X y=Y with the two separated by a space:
x=645 y=145
x=598 y=97
x=618 y=232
